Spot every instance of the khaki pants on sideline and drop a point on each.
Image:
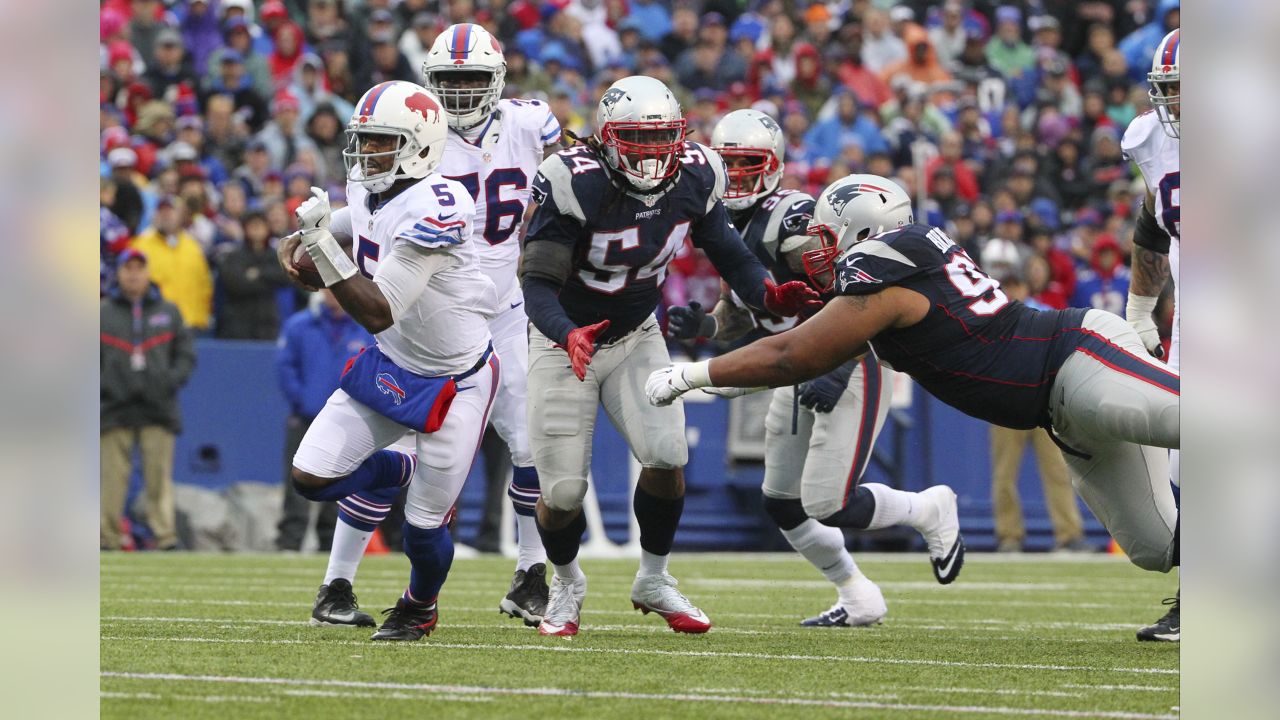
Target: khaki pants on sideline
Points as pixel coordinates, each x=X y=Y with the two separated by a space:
x=1007 y=446
x=156 y=444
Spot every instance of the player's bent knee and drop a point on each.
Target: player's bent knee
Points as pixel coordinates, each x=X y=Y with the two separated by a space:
x=823 y=509
x=307 y=485
x=563 y=495
x=787 y=513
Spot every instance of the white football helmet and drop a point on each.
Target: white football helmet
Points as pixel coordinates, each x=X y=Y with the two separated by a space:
x=757 y=137
x=849 y=211
x=403 y=110
x=642 y=130
x=466 y=70
x=1165 y=87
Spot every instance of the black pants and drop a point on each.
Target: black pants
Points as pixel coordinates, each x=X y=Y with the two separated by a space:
x=297 y=509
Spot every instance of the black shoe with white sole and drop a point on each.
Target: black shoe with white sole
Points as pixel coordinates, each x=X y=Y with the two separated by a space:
x=336 y=605
x=407 y=621
x=527 y=598
x=1167 y=628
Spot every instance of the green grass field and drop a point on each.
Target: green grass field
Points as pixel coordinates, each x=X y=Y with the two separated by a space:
x=202 y=636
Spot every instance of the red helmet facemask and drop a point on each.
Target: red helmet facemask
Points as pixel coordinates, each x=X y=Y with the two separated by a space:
x=746 y=180
x=639 y=142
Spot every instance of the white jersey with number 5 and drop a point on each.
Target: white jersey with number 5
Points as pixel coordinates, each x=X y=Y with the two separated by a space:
x=496 y=162
x=446 y=329
x=1156 y=154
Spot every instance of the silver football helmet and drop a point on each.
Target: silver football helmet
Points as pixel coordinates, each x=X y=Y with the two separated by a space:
x=849 y=211
x=753 y=146
x=641 y=128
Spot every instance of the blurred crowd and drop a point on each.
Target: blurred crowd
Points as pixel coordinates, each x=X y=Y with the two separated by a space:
x=217 y=116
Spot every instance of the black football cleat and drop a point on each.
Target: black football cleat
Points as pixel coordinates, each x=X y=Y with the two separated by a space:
x=1167 y=628
x=336 y=605
x=407 y=621
x=527 y=598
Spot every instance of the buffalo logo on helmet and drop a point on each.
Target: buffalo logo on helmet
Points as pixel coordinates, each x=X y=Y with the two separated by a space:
x=422 y=104
x=612 y=97
x=843 y=196
x=387 y=385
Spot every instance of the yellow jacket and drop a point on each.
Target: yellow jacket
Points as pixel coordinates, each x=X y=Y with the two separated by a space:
x=181 y=272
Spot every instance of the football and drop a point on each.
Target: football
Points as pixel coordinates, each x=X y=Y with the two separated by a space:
x=306 y=267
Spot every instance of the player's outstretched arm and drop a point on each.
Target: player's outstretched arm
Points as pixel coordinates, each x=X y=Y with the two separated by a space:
x=1149 y=275
x=838 y=333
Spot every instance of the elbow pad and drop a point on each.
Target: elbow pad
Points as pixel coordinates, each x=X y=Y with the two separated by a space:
x=546 y=260
x=1148 y=234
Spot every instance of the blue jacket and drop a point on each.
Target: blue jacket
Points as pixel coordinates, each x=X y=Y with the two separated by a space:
x=1140 y=45
x=826 y=138
x=312 y=349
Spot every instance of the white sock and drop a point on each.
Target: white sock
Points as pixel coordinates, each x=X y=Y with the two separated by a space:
x=570 y=572
x=823 y=547
x=348 y=547
x=845 y=590
x=896 y=507
x=529 y=543
x=651 y=564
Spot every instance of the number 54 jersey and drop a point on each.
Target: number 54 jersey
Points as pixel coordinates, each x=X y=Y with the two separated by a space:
x=976 y=350
x=496 y=163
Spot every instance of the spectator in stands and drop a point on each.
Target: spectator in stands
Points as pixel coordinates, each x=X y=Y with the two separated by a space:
x=880 y=47
x=200 y=35
x=128 y=203
x=1105 y=283
x=949 y=36
x=113 y=235
x=170 y=66
x=1007 y=447
x=865 y=83
x=415 y=42
x=177 y=264
x=950 y=155
x=285 y=56
x=284 y=136
x=1141 y=44
x=145 y=357
x=248 y=277
x=1106 y=162
x=326 y=24
x=1100 y=41
x=145 y=28
x=921 y=63
x=386 y=63
x=190 y=130
x=325 y=130
x=240 y=41
x=1006 y=52
x=232 y=80
x=849 y=125
x=314 y=345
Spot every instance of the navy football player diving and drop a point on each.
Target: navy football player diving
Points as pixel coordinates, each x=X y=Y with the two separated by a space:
x=926 y=309
x=611 y=214
x=818 y=435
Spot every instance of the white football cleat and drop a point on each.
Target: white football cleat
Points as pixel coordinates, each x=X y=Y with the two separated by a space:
x=869 y=608
x=946 y=546
x=657 y=593
x=564 y=606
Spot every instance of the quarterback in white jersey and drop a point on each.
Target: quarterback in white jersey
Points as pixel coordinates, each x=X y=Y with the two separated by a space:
x=1151 y=142
x=414 y=284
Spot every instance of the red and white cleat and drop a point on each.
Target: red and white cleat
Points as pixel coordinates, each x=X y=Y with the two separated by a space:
x=564 y=606
x=657 y=593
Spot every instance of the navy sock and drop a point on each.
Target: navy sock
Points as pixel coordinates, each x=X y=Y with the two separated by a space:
x=658 y=518
x=562 y=545
x=431 y=554
x=368 y=508
x=857 y=514
x=524 y=490
x=383 y=469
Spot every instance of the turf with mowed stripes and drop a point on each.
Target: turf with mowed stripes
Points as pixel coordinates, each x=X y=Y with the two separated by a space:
x=205 y=636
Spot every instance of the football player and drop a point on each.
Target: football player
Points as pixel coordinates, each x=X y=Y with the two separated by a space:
x=415 y=284
x=493 y=148
x=610 y=215
x=1152 y=143
x=818 y=440
x=921 y=303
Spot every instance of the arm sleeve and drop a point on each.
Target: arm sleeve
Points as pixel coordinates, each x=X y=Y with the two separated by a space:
x=340 y=222
x=1147 y=232
x=736 y=264
x=403 y=275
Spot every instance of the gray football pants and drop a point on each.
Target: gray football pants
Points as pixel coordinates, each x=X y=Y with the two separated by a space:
x=1117 y=407
x=823 y=460
x=562 y=411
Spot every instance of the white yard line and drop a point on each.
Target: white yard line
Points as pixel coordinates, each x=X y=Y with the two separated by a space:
x=1124 y=688
x=612 y=695
x=433 y=645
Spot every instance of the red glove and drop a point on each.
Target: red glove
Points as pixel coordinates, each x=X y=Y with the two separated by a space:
x=790 y=299
x=581 y=344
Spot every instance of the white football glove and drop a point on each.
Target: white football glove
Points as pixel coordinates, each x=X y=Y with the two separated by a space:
x=1138 y=312
x=313 y=214
x=669 y=383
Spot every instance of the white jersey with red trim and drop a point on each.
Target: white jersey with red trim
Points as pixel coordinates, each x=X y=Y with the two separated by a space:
x=446 y=330
x=1156 y=155
x=496 y=162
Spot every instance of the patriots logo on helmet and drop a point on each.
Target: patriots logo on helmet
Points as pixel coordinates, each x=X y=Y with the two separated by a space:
x=422 y=104
x=612 y=97
x=844 y=195
x=387 y=385
x=770 y=124
x=850 y=274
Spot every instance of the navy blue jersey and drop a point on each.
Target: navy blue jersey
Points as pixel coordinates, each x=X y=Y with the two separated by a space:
x=976 y=350
x=766 y=228
x=622 y=241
